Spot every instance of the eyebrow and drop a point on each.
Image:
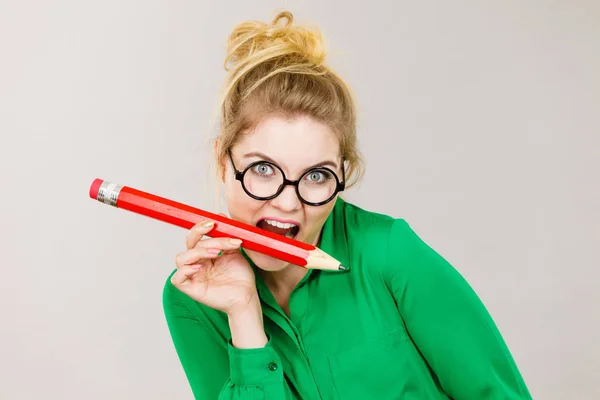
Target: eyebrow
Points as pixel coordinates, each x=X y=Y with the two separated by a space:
x=267 y=158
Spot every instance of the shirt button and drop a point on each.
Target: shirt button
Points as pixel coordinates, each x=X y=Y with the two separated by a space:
x=272 y=366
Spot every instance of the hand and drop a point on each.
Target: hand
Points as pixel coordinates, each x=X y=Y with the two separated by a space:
x=224 y=282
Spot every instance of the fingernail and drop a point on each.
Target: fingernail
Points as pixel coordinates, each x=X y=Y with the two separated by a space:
x=215 y=251
x=197 y=266
x=208 y=224
x=235 y=242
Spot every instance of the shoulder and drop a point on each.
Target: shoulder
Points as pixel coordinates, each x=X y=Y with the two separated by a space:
x=370 y=235
x=362 y=222
x=375 y=228
x=390 y=244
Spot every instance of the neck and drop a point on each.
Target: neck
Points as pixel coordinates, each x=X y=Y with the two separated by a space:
x=285 y=280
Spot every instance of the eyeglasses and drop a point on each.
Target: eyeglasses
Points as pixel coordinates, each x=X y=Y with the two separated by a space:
x=263 y=180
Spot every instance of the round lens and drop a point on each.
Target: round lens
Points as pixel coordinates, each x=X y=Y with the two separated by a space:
x=263 y=179
x=317 y=185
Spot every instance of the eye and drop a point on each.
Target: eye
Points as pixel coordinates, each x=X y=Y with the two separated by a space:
x=318 y=176
x=262 y=169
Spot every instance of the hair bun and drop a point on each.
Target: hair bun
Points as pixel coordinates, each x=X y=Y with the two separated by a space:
x=257 y=40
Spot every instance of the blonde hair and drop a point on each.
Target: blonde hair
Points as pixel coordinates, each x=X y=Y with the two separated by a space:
x=279 y=70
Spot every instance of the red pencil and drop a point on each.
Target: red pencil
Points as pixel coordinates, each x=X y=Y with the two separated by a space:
x=253 y=238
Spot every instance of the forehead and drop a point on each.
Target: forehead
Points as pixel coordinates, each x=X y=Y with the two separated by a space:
x=293 y=143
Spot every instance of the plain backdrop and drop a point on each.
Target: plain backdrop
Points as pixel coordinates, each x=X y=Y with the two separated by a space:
x=479 y=121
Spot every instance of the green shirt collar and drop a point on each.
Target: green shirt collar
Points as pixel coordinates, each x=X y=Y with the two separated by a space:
x=333 y=236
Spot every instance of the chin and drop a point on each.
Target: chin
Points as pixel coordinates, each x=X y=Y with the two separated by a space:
x=265 y=262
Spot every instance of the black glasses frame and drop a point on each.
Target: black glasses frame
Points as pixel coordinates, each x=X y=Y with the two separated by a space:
x=239 y=175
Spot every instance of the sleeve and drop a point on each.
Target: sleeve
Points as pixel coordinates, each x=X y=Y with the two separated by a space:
x=214 y=368
x=448 y=322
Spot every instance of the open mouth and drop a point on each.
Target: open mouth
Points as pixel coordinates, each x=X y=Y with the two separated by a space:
x=281 y=228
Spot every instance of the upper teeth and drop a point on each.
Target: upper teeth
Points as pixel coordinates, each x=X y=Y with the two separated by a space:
x=282 y=225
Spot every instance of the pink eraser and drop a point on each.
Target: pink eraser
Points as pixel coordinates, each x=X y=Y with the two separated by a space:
x=95 y=187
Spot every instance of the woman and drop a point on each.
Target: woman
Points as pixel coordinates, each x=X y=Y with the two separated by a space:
x=398 y=323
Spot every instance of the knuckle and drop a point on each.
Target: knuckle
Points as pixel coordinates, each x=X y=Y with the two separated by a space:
x=191 y=235
x=194 y=236
x=226 y=242
x=179 y=259
x=200 y=232
x=189 y=241
x=201 y=244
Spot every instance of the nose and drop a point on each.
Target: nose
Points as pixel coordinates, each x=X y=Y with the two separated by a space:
x=287 y=200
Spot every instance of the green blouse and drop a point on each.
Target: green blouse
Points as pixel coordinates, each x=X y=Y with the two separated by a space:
x=399 y=323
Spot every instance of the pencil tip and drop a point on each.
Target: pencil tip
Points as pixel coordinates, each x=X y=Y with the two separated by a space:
x=342 y=268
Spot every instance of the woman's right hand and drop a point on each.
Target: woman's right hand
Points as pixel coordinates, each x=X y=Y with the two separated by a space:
x=224 y=282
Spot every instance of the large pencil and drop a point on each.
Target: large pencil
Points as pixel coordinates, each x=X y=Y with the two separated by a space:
x=185 y=216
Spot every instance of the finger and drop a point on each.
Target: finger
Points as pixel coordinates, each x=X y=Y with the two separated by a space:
x=197 y=232
x=219 y=243
x=193 y=256
x=199 y=252
x=215 y=249
x=184 y=273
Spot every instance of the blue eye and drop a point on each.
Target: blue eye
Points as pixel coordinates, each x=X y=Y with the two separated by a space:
x=262 y=169
x=318 y=176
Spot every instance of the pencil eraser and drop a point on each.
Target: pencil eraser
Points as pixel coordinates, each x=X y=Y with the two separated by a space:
x=95 y=187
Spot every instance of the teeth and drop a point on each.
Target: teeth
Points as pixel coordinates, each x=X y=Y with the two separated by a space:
x=282 y=225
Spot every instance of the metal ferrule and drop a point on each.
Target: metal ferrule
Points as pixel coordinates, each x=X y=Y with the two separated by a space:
x=108 y=193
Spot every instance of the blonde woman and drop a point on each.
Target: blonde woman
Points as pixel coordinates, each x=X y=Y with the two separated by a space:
x=399 y=323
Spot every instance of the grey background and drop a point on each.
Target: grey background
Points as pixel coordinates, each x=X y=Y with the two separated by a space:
x=480 y=123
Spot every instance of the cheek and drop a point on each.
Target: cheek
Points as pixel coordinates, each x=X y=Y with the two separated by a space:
x=240 y=206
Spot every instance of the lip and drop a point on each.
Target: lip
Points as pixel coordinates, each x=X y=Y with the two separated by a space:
x=284 y=221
